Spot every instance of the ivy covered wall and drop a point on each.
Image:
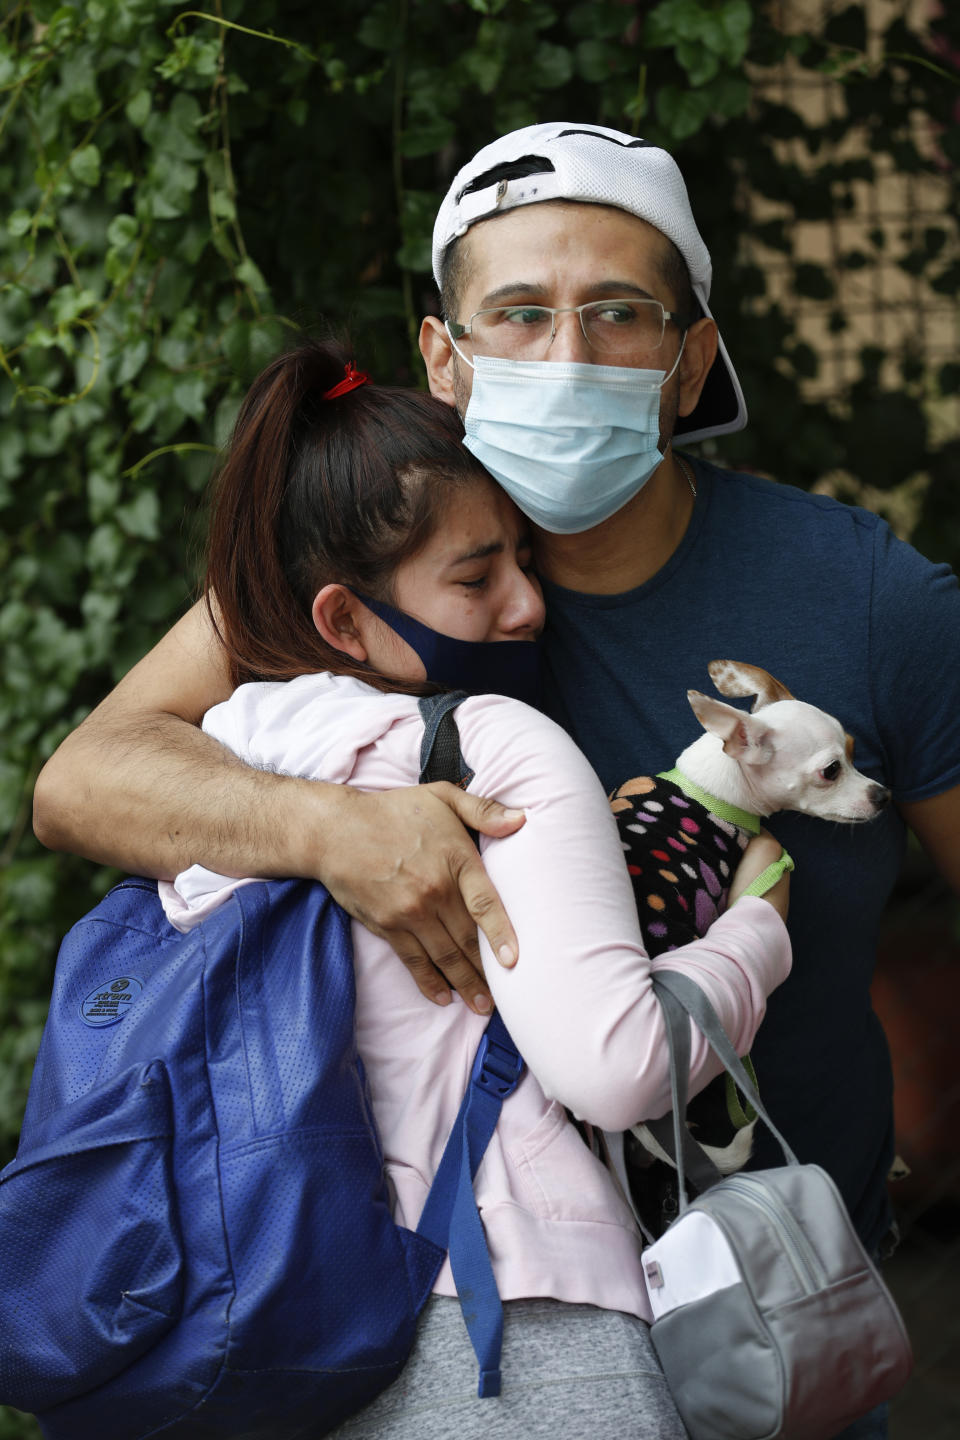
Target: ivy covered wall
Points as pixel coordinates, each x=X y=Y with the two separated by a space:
x=182 y=187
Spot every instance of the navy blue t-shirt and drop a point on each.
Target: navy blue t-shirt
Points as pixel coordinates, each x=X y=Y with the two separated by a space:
x=849 y=618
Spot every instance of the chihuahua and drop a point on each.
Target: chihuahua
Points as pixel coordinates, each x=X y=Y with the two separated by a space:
x=791 y=757
x=683 y=833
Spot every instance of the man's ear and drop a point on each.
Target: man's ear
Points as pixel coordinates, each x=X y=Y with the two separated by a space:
x=438 y=357
x=745 y=737
x=337 y=616
x=699 y=353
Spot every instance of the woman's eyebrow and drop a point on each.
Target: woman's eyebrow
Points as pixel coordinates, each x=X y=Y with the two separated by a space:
x=479 y=553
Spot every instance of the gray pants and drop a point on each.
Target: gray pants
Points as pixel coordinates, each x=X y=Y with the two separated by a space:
x=570 y=1372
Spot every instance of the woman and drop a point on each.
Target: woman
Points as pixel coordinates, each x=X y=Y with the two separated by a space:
x=360 y=556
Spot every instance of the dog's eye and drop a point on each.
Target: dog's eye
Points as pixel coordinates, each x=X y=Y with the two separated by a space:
x=831 y=771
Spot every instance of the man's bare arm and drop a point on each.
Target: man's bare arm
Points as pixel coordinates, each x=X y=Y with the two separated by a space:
x=936 y=824
x=138 y=785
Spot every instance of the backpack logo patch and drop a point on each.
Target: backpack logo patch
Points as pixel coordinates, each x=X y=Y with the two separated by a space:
x=109 y=1003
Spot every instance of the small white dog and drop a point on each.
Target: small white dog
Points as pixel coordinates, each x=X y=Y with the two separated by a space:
x=683 y=832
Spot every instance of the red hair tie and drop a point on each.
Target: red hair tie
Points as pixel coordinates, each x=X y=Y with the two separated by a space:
x=353 y=378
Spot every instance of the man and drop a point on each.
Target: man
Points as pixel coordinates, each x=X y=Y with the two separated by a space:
x=578 y=344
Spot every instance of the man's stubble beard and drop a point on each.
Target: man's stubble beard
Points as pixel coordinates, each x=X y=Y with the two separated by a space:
x=461 y=389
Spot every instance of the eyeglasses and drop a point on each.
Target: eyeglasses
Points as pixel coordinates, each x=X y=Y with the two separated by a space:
x=620 y=328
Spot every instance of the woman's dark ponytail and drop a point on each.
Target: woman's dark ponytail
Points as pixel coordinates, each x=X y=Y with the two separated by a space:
x=314 y=491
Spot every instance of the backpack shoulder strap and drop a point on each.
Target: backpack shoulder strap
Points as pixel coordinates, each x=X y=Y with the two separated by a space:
x=450 y=1217
x=440 y=755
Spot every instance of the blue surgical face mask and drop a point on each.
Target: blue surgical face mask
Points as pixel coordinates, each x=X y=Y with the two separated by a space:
x=570 y=443
x=481 y=667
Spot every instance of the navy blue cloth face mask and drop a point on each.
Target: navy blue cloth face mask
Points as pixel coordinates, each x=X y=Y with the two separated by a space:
x=480 y=667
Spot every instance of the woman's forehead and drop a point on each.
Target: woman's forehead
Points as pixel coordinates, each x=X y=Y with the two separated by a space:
x=477 y=516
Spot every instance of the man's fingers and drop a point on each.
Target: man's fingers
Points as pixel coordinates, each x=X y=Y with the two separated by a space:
x=439 y=966
x=412 y=874
x=486 y=911
x=459 y=962
x=426 y=976
x=482 y=902
x=477 y=812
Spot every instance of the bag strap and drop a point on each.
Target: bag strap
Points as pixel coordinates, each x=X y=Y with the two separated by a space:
x=691 y=1159
x=680 y=998
x=450 y=1216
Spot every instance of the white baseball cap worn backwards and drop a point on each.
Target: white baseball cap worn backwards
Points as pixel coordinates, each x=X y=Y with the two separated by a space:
x=595 y=165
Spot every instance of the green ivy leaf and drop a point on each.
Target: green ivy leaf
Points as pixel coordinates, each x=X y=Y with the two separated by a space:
x=735 y=19
x=177 y=131
x=104 y=493
x=138 y=108
x=426 y=138
x=379 y=29
x=122 y=231
x=175 y=181
x=700 y=62
x=552 y=65
x=483 y=67
x=85 y=165
x=249 y=274
x=675 y=20
x=68 y=303
x=681 y=112
x=140 y=517
x=595 y=60
x=31 y=888
x=105 y=547
x=729 y=94
x=190 y=394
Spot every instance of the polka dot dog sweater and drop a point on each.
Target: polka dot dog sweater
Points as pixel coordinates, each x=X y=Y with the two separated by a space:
x=681 y=858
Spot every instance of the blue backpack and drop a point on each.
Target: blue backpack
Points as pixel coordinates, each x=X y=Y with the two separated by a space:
x=195 y=1236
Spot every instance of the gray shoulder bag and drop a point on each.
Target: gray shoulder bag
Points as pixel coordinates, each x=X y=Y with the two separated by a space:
x=770 y=1320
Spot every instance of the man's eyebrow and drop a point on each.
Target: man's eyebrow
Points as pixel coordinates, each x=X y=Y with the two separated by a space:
x=503 y=292
x=612 y=288
x=617 y=288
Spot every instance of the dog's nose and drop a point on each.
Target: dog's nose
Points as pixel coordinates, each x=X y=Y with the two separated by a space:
x=879 y=796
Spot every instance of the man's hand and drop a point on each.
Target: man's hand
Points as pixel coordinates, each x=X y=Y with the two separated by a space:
x=412 y=874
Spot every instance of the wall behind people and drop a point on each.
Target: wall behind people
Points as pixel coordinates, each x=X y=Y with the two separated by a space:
x=184 y=188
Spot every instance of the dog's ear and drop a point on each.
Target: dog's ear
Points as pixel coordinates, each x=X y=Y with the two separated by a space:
x=732 y=678
x=744 y=739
